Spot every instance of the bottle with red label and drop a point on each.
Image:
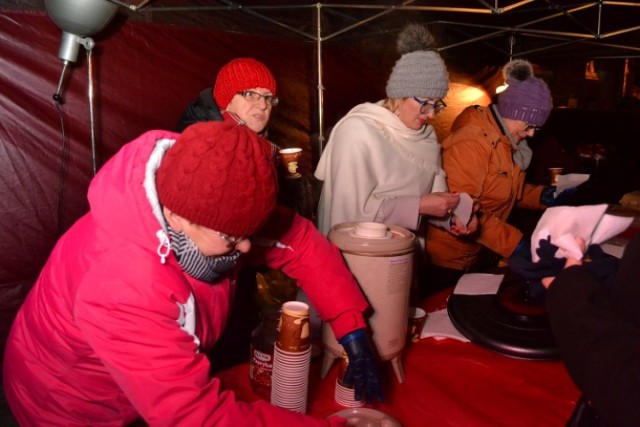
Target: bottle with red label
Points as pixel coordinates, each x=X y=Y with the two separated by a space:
x=263 y=339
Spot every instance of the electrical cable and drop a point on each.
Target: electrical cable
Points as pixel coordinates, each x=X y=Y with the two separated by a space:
x=64 y=155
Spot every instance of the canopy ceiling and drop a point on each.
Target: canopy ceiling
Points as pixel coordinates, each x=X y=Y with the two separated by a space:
x=528 y=28
x=534 y=29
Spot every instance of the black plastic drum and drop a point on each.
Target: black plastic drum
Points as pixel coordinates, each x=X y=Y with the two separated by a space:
x=509 y=322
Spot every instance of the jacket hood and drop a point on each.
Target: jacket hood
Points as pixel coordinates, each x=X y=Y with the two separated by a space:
x=119 y=200
x=474 y=120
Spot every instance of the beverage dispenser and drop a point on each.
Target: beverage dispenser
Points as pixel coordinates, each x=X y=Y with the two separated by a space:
x=381 y=259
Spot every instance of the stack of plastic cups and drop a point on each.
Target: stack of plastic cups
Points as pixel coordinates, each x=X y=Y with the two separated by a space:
x=345 y=393
x=292 y=358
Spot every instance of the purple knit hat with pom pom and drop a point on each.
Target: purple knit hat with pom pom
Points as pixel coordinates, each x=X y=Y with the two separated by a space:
x=527 y=97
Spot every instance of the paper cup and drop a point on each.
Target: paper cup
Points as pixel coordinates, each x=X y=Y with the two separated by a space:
x=294 y=327
x=417 y=319
x=553 y=176
x=289 y=158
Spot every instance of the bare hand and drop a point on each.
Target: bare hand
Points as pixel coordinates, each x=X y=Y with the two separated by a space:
x=438 y=204
x=458 y=228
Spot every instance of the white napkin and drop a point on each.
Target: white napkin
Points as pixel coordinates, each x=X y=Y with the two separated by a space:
x=570 y=180
x=478 y=284
x=565 y=223
x=438 y=326
x=464 y=208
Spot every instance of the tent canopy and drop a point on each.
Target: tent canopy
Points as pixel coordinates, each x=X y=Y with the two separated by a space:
x=530 y=28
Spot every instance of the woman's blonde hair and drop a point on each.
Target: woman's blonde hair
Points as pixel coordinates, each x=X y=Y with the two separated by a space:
x=392 y=104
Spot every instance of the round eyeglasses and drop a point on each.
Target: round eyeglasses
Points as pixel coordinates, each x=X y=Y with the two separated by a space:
x=253 y=96
x=426 y=106
x=231 y=241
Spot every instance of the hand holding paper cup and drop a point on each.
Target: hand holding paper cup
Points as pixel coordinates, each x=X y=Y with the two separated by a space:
x=289 y=158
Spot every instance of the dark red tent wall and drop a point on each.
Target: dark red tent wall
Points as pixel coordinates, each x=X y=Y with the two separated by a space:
x=144 y=74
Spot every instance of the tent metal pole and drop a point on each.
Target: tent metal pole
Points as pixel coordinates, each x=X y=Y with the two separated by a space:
x=320 y=84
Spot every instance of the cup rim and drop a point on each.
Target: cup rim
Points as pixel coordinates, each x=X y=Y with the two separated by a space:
x=416 y=312
x=292 y=150
x=296 y=308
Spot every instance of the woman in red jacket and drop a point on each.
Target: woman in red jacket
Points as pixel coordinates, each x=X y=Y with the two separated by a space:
x=118 y=323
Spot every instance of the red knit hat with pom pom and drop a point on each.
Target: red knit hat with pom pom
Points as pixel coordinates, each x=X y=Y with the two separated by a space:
x=219 y=175
x=241 y=74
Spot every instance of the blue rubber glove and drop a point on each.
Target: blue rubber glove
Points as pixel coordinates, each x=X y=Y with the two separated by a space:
x=362 y=371
x=546 y=198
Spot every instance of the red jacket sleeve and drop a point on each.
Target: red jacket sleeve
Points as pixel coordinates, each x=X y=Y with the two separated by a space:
x=158 y=368
x=293 y=244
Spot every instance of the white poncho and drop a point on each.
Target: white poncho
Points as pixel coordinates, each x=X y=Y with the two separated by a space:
x=375 y=168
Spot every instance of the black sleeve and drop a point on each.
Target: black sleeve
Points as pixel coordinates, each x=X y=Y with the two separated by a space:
x=600 y=346
x=203 y=109
x=626 y=289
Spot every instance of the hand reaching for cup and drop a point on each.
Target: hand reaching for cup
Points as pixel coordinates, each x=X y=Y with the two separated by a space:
x=362 y=372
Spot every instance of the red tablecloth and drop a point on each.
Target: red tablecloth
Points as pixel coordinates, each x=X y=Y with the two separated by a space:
x=450 y=383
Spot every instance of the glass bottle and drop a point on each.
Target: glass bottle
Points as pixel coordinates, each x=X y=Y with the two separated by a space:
x=263 y=339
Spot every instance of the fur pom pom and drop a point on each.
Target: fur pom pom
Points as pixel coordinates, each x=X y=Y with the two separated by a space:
x=415 y=37
x=518 y=69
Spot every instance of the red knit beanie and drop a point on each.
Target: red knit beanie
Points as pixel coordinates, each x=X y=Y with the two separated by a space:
x=241 y=74
x=219 y=175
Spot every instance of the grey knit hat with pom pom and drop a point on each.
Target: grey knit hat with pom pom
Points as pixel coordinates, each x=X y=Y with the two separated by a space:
x=527 y=97
x=420 y=71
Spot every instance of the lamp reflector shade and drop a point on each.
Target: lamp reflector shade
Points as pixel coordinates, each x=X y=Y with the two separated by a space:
x=81 y=17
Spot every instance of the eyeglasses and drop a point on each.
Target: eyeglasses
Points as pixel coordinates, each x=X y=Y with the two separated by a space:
x=253 y=96
x=231 y=241
x=531 y=128
x=426 y=107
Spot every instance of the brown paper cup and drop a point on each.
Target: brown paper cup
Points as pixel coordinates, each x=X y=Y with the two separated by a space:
x=417 y=319
x=344 y=364
x=294 y=327
x=553 y=176
x=289 y=158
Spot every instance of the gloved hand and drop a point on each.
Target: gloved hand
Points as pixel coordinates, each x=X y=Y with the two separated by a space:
x=523 y=250
x=362 y=371
x=533 y=273
x=547 y=198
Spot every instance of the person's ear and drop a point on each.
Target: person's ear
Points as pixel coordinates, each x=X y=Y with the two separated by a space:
x=174 y=220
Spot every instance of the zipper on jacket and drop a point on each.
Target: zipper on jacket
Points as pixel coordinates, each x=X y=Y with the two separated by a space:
x=164 y=248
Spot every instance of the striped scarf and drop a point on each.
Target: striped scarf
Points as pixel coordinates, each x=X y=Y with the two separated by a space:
x=195 y=264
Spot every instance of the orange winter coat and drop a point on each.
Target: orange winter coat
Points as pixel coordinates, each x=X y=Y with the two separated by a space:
x=477 y=157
